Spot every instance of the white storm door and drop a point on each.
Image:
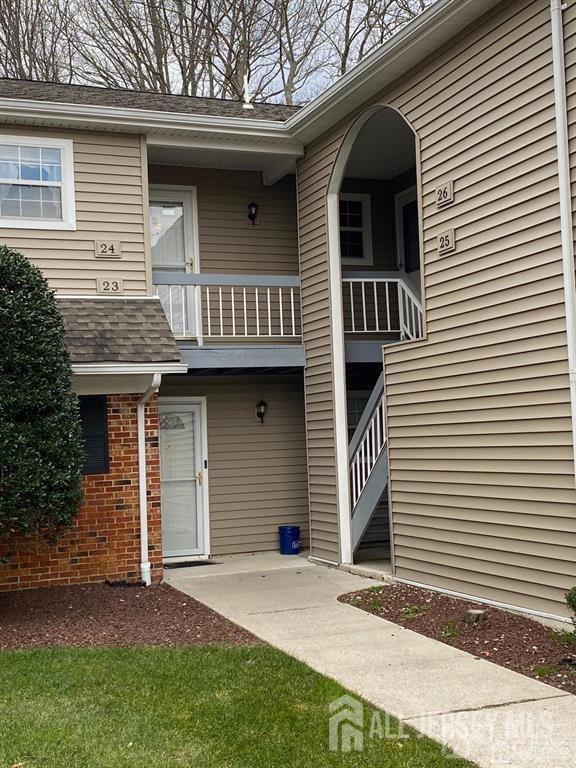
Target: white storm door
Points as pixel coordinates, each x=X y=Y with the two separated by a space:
x=181 y=479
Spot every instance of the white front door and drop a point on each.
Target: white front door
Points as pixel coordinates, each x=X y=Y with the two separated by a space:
x=181 y=477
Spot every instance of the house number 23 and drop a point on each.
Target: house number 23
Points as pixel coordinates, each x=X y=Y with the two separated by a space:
x=110 y=286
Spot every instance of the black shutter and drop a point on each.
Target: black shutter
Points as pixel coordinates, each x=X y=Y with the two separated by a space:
x=93 y=415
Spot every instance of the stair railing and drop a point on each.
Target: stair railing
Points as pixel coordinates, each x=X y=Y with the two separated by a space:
x=368 y=442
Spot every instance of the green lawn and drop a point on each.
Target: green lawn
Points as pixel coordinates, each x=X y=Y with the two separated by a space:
x=203 y=706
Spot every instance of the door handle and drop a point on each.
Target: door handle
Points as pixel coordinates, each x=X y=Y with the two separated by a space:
x=200 y=477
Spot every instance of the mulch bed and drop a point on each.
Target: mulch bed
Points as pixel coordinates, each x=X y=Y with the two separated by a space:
x=508 y=639
x=101 y=615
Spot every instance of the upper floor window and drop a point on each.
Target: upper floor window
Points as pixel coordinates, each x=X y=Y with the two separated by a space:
x=36 y=183
x=355 y=228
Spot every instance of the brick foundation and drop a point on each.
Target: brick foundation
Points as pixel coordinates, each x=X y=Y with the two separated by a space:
x=104 y=542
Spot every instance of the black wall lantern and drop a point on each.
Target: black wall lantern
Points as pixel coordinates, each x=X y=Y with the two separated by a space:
x=252 y=212
x=261 y=409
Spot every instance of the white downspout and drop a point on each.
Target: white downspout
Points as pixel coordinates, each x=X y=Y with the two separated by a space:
x=566 y=218
x=145 y=571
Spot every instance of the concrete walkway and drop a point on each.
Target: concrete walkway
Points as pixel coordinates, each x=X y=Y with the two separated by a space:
x=488 y=714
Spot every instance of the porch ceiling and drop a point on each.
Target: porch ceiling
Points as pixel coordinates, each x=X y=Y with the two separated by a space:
x=273 y=159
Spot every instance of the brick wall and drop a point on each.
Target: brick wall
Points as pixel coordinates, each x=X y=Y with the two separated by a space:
x=104 y=542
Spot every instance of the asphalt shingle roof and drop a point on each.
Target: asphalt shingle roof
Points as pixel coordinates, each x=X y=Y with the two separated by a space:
x=121 y=330
x=111 y=97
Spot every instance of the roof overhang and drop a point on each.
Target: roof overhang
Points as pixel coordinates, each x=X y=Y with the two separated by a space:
x=280 y=142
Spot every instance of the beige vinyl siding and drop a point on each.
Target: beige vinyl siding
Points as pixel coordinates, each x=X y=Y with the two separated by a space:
x=109 y=205
x=228 y=241
x=570 y=46
x=313 y=178
x=482 y=482
x=257 y=472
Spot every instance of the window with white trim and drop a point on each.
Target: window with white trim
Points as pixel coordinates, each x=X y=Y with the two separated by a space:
x=355 y=228
x=36 y=183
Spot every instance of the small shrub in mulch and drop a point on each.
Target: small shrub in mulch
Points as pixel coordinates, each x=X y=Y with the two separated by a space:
x=508 y=639
x=97 y=615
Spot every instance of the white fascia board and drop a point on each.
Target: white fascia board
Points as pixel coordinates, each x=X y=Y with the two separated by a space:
x=107 y=369
x=281 y=145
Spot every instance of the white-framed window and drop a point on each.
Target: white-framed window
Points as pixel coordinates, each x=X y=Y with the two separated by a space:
x=36 y=183
x=355 y=228
x=174 y=229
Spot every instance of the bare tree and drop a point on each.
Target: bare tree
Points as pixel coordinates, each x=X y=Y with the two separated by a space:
x=36 y=39
x=362 y=25
x=288 y=49
x=303 y=54
x=124 y=44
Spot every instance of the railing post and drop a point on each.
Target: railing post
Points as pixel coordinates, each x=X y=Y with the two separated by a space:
x=199 y=315
x=401 y=320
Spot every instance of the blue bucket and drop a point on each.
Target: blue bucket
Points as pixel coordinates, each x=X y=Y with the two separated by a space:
x=289 y=539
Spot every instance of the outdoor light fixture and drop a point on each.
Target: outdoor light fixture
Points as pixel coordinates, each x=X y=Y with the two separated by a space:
x=261 y=409
x=252 y=212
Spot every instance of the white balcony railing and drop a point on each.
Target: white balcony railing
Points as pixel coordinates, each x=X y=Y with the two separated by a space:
x=255 y=307
x=260 y=307
x=381 y=304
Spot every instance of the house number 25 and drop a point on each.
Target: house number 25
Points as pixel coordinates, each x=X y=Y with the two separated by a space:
x=446 y=241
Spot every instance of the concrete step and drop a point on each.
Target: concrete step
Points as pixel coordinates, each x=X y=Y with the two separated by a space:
x=380 y=570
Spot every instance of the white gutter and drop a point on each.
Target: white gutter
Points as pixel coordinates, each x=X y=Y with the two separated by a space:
x=145 y=571
x=111 y=369
x=141 y=118
x=565 y=191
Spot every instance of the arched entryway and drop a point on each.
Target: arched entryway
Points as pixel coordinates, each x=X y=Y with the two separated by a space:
x=375 y=247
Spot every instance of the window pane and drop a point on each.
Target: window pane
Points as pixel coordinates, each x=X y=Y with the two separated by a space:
x=9 y=191
x=29 y=172
x=51 y=156
x=351 y=245
x=30 y=154
x=31 y=209
x=28 y=193
x=30 y=202
x=8 y=170
x=9 y=152
x=30 y=163
x=10 y=209
x=351 y=213
x=167 y=234
x=51 y=173
x=51 y=211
